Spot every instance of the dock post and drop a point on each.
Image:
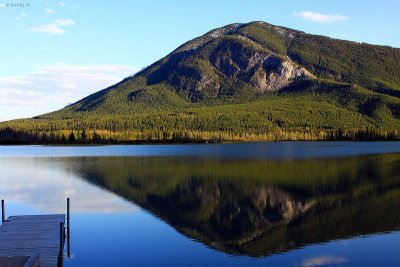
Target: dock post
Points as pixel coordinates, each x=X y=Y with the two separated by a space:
x=61 y=240
x=68 y=230
x=3 y=211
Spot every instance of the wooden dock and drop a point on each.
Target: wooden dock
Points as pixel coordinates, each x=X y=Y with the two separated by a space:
x=32 y=241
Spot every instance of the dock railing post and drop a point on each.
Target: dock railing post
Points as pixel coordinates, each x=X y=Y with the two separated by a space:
x=68 y=230
x=3 y=212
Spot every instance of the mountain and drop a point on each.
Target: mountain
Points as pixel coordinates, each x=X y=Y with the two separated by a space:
x=241 y=82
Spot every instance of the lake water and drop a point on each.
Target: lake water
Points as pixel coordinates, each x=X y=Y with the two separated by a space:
x=250 y=204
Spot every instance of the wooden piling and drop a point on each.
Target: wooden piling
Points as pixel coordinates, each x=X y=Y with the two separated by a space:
x=3 y=211
x=68 y=230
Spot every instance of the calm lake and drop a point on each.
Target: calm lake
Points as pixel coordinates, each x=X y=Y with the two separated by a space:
x=249 y=204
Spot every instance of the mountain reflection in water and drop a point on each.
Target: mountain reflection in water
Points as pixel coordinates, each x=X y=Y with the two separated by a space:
x=256 y=207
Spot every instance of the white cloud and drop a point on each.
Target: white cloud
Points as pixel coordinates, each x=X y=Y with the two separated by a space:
x=56 y=27
x=320 y=18
x=64 y=22
x=51 y=88
x=61 y=4
x=323 y=260
x=50 y=11
x=48 y=28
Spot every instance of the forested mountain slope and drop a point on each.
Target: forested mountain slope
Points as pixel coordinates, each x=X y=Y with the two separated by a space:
x=253 y=81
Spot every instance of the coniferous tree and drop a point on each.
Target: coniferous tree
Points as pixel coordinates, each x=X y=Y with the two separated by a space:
x=72 y=137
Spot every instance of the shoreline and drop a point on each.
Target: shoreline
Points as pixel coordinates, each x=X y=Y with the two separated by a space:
x=182 y=142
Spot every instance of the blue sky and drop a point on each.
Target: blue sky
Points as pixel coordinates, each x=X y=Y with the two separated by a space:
x=56 y=52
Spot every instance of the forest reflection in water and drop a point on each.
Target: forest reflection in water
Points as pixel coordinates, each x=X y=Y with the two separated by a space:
x=256 y=207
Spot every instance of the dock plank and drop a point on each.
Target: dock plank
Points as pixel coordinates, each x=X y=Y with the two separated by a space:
x=35 y=237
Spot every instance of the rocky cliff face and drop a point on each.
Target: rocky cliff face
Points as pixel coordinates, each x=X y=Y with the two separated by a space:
x=281 y=203
x=275 y=74
x=219 y=62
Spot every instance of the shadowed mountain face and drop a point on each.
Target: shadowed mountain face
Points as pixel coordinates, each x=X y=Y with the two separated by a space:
x=257 y=207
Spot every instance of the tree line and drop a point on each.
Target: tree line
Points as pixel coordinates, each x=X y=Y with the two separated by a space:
x=9 y=135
